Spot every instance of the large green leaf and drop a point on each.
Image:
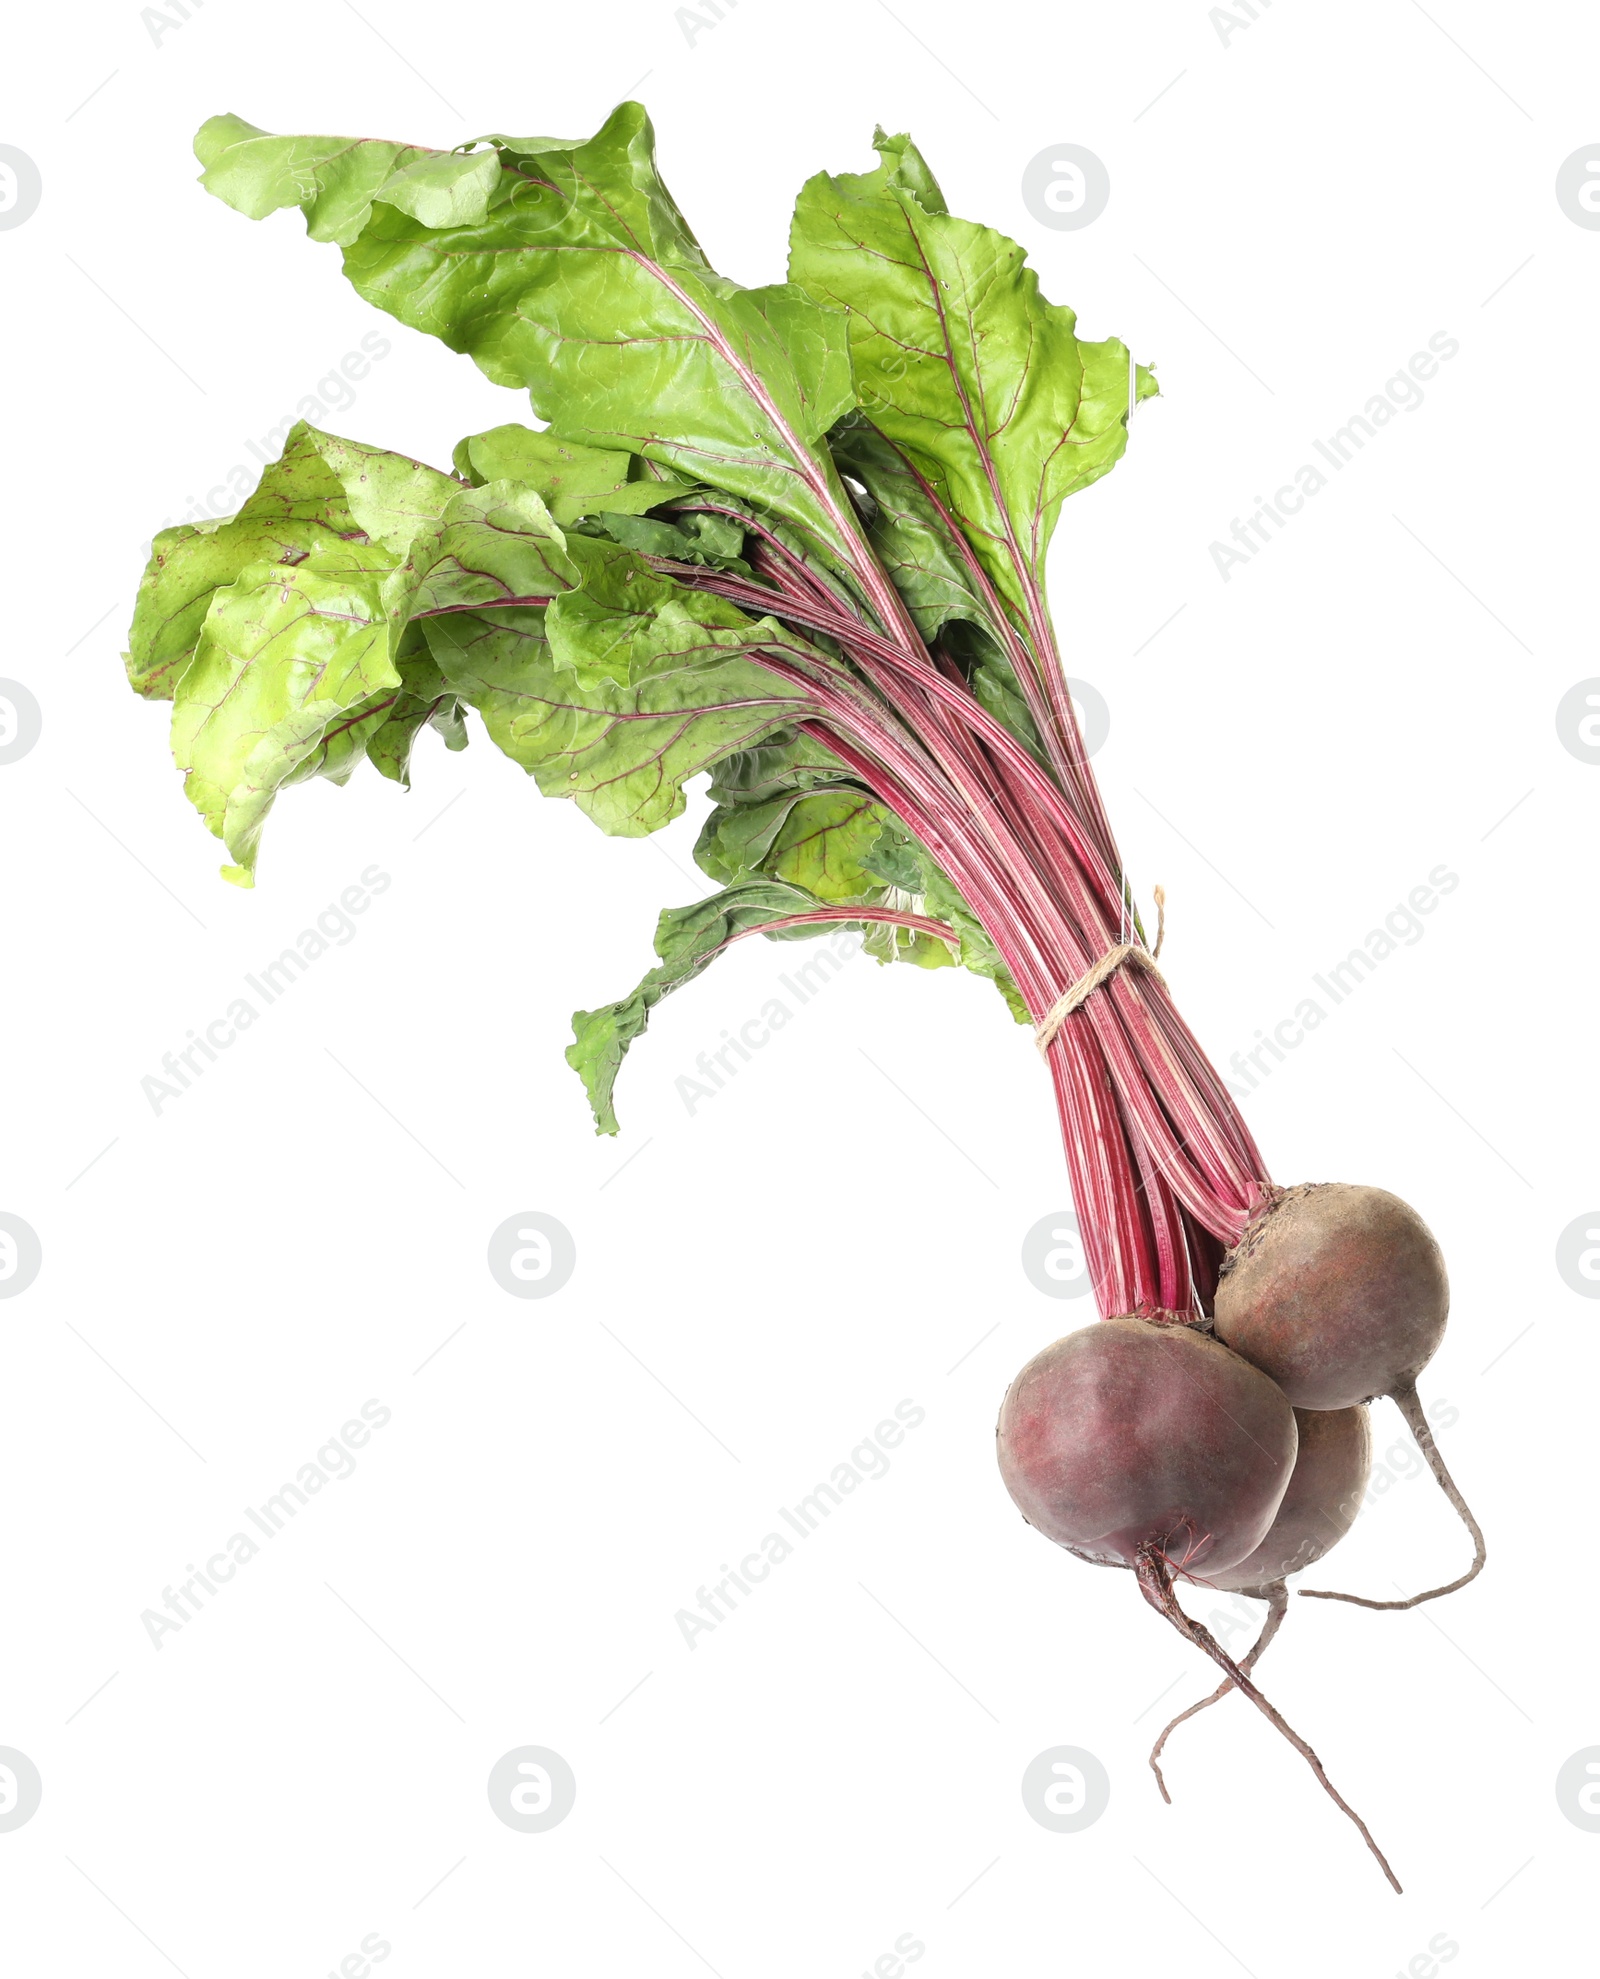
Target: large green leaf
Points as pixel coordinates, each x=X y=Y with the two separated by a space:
x=961 y=362
x=334 y=180
x=302 y=667
x=294 y=673
x=688 y=940
x=322 y=492
x=569 y=270
x=621 y=691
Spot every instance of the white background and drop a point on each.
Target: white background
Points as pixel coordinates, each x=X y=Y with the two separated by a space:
x=764 y=1280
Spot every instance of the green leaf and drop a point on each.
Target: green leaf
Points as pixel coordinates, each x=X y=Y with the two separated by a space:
x=893 y=859
x=294 y=673
x=788 y=811
x=785 y=812
x=322 y=492
x=711 y=540
x=576 y=276
x=688 y=940
x=913 y=542
x=303 y=667
x=334 y=180
x=960 y=361
x=994 y=682
x=621 y=691
x=489 y=546
x=817 y=840
x=931 y=568
x=572 y=479
x=392 y=498
x=423 y=701
x=787 y=760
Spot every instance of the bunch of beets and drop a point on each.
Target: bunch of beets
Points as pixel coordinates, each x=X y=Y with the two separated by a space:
x=794 y=537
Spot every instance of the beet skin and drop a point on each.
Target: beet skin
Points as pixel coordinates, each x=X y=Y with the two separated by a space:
x=1129 y=1432
x=1338 y=1292
x=1331 y=1470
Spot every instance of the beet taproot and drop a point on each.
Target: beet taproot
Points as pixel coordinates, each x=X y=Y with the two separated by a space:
x=1331 y=1468
x=1143 y=1442
x=1340 y=1293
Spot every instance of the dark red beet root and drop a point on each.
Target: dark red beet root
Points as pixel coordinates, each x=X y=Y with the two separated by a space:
x=1129 y=1433
x=1147 y=1444
x=1339 y=1293
x=1325 y=1491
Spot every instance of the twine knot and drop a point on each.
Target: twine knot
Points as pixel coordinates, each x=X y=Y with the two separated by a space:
x=1101 y=972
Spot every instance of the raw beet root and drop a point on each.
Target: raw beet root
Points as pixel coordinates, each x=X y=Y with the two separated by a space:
x=1131 y=1433
x=1325 y=1491
x=1338 y=1292
x=1147 y=1444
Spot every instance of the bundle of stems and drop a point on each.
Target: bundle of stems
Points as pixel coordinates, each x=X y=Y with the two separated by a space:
x=1164 y=1172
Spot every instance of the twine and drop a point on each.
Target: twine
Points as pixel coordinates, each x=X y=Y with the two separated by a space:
x=1101 y=972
